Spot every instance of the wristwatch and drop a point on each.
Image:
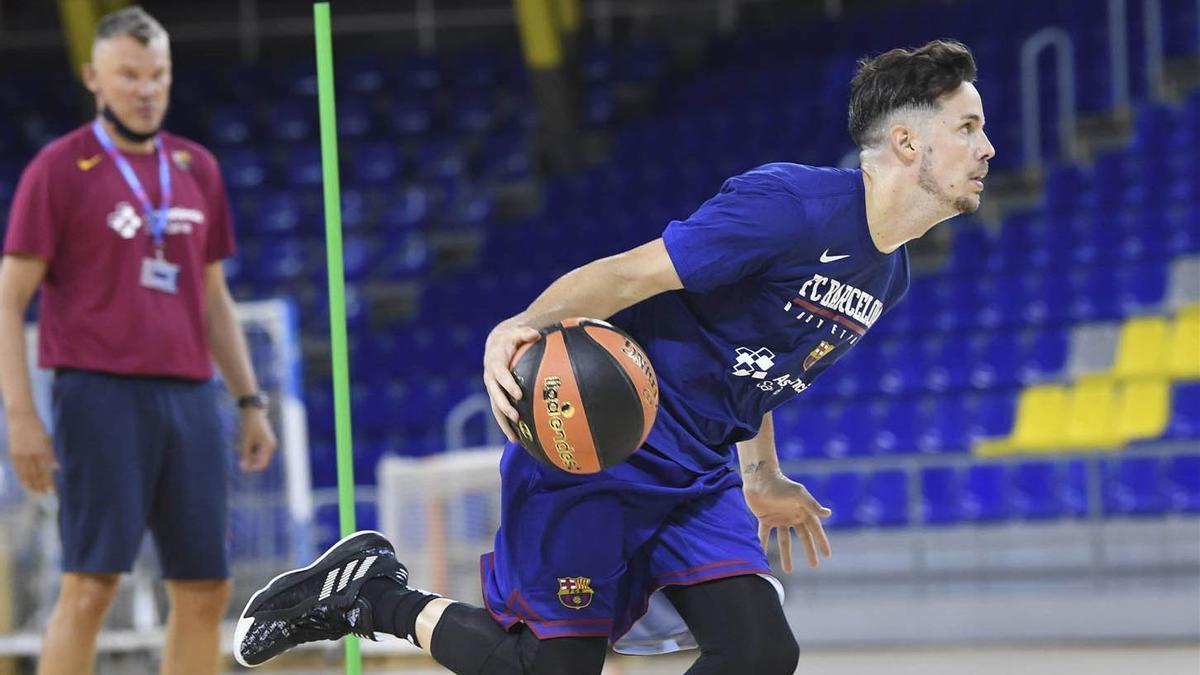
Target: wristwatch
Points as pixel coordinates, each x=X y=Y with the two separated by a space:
x=256 y=400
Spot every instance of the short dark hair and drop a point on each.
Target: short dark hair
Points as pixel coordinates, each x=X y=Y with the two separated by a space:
x=903 y=78
x=132 y=21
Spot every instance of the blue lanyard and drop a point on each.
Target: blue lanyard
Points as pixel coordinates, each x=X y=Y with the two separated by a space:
x=158 y=219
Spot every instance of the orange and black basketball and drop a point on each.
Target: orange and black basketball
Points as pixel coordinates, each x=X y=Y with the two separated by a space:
x=588 y=395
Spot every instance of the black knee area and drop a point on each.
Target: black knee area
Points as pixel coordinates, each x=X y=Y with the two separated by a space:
x=739 y=625
x=469 y=642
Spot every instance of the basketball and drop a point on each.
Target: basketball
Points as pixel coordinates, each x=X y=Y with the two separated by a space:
x=588 y=396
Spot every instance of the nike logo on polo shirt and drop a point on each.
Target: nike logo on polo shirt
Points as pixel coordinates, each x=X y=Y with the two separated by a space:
x=87 y=163
x=826 y=258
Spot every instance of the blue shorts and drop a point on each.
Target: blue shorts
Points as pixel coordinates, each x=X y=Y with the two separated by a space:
x=138 y=452
x=584 y=555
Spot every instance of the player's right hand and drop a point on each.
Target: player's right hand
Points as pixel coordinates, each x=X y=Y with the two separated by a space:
x=32 y=453
x=502 y=343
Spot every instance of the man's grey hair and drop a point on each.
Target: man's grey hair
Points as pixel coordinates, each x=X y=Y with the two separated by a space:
x=132 y=21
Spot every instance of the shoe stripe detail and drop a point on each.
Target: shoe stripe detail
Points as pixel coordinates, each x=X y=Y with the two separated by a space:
x=330 y=580
x=346 y=572
x=362 y=570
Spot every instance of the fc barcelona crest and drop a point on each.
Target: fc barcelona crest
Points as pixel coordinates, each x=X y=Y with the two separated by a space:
x=817 y=354
x=575 y=592
x=182 y=159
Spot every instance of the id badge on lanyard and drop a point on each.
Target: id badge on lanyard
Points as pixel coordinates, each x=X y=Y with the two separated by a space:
x=157 y=272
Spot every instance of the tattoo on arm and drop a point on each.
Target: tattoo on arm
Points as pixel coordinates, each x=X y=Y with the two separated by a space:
x=753 y=467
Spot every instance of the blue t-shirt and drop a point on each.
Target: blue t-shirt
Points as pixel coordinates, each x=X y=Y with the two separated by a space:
x=780 y=279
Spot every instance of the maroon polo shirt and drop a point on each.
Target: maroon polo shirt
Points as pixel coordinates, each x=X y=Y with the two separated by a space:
x=74 y=210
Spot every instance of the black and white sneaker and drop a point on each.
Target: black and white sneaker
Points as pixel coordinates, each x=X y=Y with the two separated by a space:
x=318 y=602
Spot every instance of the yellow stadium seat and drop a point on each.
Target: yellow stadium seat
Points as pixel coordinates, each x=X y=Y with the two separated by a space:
x=1041 y=419
x=1091 y=414
x=1143 y=409
x=1183 y=346
x=1142 y=348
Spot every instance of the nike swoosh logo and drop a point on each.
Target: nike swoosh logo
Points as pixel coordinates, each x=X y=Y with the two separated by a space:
x=88 y=163
x=826 y=258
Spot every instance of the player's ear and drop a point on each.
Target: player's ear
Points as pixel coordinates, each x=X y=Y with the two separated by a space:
x=88 y=75
x=902 y=139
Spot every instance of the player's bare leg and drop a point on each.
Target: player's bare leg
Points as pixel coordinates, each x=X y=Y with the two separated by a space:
x=69 y=647
x=193 y=643
x=428 y=619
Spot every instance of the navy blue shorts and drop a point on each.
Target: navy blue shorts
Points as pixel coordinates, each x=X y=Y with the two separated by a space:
x=586 y=555
x=138 y=453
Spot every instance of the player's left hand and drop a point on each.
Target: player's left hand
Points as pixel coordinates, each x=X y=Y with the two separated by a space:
x=257 y=443
x=784 y=505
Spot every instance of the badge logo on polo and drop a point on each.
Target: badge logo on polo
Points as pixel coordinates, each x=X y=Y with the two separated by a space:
x=817 y=354
x=182 y=159
x=125 y=220
x=575 y=592
x=86 y=163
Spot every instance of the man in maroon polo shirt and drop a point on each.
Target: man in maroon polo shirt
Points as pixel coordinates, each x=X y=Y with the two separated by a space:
x=124 y=226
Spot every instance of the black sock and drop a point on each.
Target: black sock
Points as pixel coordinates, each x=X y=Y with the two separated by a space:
x=395 y=608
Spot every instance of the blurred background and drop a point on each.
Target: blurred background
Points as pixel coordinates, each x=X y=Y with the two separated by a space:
x=1012 y=458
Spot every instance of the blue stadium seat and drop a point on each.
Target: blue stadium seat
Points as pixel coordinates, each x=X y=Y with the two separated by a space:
x=1142 y=287
x=243 y=168
x=904 y=369
x=1183 y=476
x=991 y=415
x=441 y=159
x=1035 y=491
x=945 y=430
x=303 y=165
x=1135 y=486
x=1048 y=294
x=899 y=427
x=985 y=495
x=473 y=112
x=950 y=367
x=361 y=73
x=354 y=118
x=280 y=260
x=290 y=121
x=1184 y=422
x=419 y=72
x=886 y=501
x=857 y=372
x=852 y=432
x=408 y=208
x=411 y=117
x=376 y=162
x=358 y=255
x=1004 y=304
x=941 y=496
x=506 y=157
x=806 y=428
x=230 y=125
x=972 y=248
x=278 y=213
x=1045 y=357
x=997 y=365
x=842 y=493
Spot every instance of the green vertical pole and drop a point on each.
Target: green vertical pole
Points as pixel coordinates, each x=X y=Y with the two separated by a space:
x=337 y=290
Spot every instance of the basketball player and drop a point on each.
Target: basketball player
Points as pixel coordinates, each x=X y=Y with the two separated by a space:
x=740 y=307
x=123 y=226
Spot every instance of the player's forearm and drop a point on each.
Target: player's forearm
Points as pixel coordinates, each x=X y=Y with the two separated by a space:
x=15 y=386
x=758 y=454
x=594 y=290
x=228 y=346
x=604 y=287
